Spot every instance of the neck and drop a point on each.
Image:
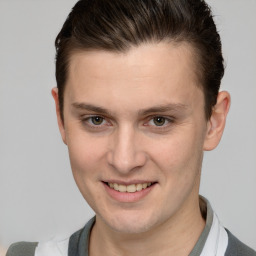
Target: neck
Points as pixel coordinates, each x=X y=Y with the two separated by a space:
x=182 y=231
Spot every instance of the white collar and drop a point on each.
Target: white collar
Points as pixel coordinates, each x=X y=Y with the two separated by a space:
x=217 y=240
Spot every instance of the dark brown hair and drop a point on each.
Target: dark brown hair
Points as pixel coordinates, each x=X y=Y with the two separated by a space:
x=116 y=25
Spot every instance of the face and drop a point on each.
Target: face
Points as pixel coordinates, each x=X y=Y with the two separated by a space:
x=135 y=121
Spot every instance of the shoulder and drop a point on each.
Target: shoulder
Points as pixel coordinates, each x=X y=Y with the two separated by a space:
x=237 y=248
x=50 y=248
x=22 y=249
x=57 y=247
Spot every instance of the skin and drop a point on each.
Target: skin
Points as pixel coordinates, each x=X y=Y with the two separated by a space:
x=130 y=145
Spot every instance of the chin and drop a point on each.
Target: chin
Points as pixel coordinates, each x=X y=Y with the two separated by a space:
x=131 y=227
x=131 y=223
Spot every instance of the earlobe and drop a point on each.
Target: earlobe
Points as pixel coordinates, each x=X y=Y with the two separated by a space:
x=55 y=96
x=216 y=124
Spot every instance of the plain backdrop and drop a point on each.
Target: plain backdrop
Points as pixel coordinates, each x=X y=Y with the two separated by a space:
x=38 y=197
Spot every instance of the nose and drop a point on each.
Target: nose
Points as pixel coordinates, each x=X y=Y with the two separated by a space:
x=125 y=153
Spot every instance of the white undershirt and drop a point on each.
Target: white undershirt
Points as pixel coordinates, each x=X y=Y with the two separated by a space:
x=217 y=240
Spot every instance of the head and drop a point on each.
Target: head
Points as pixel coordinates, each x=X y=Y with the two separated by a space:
x=137 y=103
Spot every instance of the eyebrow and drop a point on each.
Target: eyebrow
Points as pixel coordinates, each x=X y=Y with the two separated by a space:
x=155 y=109
x=90 y=107
x=164 y=108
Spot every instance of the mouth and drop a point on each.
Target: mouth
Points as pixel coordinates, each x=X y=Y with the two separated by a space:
x=129 y=192
x=131 y=188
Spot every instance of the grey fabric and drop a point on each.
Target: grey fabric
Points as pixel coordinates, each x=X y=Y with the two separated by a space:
x=237 y=248
x=74 y=243
x=22 y=249
x=79 y=241
x=198 y=248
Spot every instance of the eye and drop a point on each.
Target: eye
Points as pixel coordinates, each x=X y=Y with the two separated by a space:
x=95 y=123
x=96 y=120
x=159 y=121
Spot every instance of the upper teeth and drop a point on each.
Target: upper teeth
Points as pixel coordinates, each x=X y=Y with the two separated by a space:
x=130 y=188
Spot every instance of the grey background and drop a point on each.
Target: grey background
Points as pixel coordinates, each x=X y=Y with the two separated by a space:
x=38 y=197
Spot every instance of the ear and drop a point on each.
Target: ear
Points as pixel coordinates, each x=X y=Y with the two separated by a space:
x=55 y=96
x=216 y=124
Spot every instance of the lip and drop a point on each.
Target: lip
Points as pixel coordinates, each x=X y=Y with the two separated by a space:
x=130 y=182
x=126 y=197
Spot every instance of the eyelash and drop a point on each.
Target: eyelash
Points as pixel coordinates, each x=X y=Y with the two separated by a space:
x=88 y=121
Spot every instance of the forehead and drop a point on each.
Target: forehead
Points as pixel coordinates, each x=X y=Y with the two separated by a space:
x=159 y=72
x=138 y=60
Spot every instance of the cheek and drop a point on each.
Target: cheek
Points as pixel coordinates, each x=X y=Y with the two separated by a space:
x=85 y=154
x=179 y=161
x=179 y=156
x=85 y=159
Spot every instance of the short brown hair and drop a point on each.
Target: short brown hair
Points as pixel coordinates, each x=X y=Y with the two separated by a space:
x=117 y=25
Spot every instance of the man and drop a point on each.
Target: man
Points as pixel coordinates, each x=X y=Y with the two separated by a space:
x=138 y=103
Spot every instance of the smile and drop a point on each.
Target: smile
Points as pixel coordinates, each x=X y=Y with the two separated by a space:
x=130 y=192
x=130 y=188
